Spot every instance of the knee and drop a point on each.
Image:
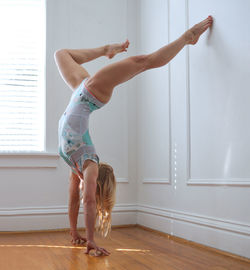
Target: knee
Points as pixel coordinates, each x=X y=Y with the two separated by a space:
x=89 y=196
x=142 y=61
x=59 y=54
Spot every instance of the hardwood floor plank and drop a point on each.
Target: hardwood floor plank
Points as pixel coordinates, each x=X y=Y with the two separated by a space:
x=132 y=248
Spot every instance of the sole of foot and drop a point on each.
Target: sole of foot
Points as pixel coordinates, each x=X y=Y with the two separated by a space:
x=113 y=49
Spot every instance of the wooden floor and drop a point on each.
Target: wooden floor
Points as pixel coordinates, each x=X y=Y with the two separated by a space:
x=131 y=248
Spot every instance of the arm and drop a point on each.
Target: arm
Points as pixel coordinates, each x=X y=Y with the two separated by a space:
x=89 y=218
x=89 y=198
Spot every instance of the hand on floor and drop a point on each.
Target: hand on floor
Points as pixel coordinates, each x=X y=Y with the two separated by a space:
x=99 y=251
x=77 y=239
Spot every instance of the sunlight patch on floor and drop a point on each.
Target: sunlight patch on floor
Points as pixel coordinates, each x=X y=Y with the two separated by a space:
x=132 y=249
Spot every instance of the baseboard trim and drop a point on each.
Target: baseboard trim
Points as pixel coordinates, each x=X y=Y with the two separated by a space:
x=216 y=223
x=225 y=235
x=55 y=210
x=81 y=229
x=55 y=217
x=194 y=244
x=34 y=211
x=225 y=225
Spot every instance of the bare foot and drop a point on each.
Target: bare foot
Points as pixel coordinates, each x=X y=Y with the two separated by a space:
x=192 y=35
x=113 y=49
x=77 y=239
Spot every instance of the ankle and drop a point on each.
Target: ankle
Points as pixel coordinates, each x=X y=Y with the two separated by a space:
x=185 y=38
x=188 y=37
x=105 y=50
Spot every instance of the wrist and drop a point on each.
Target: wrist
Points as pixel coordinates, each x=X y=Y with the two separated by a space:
x=90 y=239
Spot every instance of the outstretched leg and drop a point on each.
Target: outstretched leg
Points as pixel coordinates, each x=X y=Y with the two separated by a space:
x=104 y=81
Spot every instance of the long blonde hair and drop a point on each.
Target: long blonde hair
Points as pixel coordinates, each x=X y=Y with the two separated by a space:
x=105 y=197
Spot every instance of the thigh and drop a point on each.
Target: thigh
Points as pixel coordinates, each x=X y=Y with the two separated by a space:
x=114 y=74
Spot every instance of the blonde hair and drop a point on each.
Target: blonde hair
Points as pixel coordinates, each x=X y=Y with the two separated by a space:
x=105 y=197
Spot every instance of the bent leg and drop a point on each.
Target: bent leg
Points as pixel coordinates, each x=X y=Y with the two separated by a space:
x=69 y=63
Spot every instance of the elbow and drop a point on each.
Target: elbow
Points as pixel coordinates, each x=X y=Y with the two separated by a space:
x=89 y=200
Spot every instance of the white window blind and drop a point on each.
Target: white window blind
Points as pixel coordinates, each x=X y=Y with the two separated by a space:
x=22 y=76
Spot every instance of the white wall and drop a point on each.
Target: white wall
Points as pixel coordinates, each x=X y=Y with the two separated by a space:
x=177 y=134
x=207 y=199
x=35 y=196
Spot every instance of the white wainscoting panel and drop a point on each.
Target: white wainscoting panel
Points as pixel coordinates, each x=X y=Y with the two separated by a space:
x=218 y=95
x=154 y=108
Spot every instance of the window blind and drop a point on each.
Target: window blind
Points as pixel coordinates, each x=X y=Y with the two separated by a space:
x=22 y=76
